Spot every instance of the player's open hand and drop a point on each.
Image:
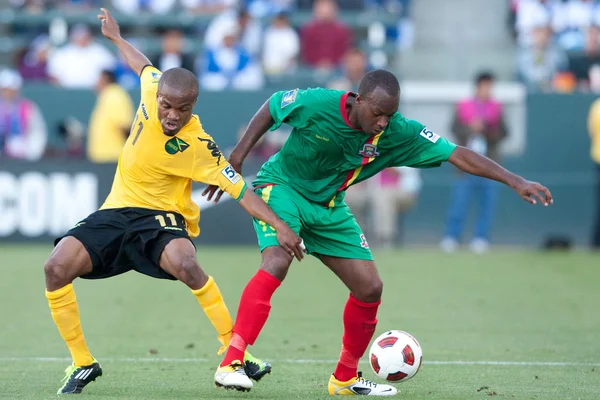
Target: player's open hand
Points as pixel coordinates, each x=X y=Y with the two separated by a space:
x=210 y=191
x=290 y=242
x=110 y=28
x=530 y=191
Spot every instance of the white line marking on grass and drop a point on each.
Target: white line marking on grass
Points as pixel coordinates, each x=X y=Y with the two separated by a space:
x=310 y=361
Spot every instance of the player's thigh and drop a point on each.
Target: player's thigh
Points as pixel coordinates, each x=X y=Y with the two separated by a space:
x=68 y=260
x=179 y=259
x=360 y=276
x=285 y=203
x=91 y=249
x=158 y=245
x=335 y=232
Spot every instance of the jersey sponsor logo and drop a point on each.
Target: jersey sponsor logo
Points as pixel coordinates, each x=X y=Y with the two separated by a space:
x=369 y=150
x=213 y=148
x=175 y=145
x=231 y=175
x=288 y=98
x=144 y=111
x=429 y=135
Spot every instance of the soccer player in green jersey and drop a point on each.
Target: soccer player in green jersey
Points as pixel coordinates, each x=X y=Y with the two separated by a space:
x=338 y=139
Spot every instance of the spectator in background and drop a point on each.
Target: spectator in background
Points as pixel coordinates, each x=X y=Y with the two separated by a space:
x=207 y=6
x=281 y=47
x=594 y=131
x=29 y=6
x=124 y=75
x=325 y=39
x=110 y=121
x=230 y=66
x=530 y=14
x=172 y=55
x=582 y=61
x=23 y=133
x=249 y=30
x=354 y=68
x=538 y=64
x=571 y=20
x=78 y=64
x=479 y=125
x=134 y=7
x=32 y=62
x=267 y=8
x=380 y=203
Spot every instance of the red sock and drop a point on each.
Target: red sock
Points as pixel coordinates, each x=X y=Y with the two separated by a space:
x=360 y=320
x=252 y=314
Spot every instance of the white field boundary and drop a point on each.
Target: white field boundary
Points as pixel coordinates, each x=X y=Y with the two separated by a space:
x=307 y=361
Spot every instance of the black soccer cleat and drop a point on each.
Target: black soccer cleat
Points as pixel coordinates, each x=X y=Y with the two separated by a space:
x=77 y=378
x=255 y=368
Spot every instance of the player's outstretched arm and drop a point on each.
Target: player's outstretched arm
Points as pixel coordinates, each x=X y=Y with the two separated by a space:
x=286 y=237
x=110 y=29
x=476 y=164
x=258 y=126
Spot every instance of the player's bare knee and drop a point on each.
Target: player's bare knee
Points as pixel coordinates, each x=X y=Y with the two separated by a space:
x=56 y=273
x=190 y=273
x=371 y=291
x=276 y=262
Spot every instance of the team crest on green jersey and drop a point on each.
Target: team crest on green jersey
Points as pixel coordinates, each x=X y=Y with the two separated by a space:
x=175 y=145
x=369 y=150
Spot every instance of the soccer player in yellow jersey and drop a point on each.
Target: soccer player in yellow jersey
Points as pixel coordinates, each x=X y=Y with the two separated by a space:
x=148 y=218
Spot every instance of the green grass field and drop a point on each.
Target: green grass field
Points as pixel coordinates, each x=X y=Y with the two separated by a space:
x=532 y=319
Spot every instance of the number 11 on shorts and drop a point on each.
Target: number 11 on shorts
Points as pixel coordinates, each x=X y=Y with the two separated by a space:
x=161 y=220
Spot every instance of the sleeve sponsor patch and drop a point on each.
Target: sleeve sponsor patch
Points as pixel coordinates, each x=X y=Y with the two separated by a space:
x=231 y=175
x=429 y=135
x=288 y=97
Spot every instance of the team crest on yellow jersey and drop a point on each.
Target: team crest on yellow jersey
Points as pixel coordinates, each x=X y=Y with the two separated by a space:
x=175 y=145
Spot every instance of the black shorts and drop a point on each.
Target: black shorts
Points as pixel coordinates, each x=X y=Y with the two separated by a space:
x=123 y=239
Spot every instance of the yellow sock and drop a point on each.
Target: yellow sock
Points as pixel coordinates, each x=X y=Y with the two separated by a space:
x=209 y=297
x=65 y=312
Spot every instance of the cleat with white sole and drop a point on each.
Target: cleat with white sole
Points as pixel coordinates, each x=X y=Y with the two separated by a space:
x=359 y=386
x=233 y=376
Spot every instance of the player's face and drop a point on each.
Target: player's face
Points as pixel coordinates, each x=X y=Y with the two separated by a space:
x=174 y=109
x=376 y=110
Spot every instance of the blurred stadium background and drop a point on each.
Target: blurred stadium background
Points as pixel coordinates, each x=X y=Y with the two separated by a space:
x=57 y=146
x=524 y=322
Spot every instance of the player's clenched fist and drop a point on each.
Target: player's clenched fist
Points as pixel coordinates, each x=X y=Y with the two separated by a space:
x=110 y=28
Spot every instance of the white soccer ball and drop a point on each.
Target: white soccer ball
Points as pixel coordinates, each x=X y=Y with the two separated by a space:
x=395 y=356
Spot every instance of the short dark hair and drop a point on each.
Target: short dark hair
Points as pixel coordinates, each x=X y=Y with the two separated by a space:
x=110 y=75
x=484 y=76
x=180 y=79
x=379 y=78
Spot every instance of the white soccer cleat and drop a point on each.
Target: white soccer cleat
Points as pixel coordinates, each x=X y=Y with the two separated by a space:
x=480 y=246
x=359 y=386
x=233 y=376
x=449 y=245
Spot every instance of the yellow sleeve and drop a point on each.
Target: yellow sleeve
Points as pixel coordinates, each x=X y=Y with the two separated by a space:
x=594 y=119
x=149 y=79
x=212 y=168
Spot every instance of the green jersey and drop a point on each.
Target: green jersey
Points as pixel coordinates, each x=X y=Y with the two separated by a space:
x=324 y=154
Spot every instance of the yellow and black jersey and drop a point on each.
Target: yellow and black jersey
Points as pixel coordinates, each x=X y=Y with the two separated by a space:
x=155 y=171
